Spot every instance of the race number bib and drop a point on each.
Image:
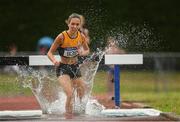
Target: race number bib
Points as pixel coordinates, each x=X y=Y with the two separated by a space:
x=70 y=52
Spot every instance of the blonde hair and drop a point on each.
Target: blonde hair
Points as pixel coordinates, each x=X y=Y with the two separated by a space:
x=82 y=20
x=73 y=15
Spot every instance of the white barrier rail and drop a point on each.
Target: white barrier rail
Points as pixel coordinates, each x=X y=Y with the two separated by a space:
x=39 y=60
x=124 y=59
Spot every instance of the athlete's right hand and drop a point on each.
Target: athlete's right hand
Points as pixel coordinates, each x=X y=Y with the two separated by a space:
x=56 y=63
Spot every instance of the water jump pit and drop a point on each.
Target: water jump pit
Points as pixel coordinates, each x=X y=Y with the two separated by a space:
x=27 y=108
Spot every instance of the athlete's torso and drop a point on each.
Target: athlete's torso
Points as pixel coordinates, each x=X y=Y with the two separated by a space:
x=68 y=50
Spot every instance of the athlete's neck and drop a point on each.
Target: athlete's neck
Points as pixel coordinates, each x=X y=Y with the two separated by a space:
x=72 y=34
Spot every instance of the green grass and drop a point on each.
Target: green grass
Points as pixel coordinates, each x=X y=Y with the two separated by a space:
x=166 y=102
x=146 y=87
x=10 y=86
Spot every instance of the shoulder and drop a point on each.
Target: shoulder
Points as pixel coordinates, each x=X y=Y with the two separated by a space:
x=60 y=38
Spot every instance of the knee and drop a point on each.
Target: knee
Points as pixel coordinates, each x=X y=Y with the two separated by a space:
x=69 y=95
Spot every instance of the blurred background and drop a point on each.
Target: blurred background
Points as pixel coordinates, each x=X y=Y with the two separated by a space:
x=155 y=23
x=148 y=27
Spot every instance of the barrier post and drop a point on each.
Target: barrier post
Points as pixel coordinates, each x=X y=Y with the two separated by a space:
x=117 y=85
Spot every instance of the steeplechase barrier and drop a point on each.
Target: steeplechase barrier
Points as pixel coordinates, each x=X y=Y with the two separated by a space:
x=116 y=60
x=42 y=60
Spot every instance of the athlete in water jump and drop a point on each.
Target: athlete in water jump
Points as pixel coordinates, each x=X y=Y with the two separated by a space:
x=70 y=43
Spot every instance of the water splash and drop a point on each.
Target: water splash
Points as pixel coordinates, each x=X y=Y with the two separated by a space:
x=48 y=92
x=135 y=38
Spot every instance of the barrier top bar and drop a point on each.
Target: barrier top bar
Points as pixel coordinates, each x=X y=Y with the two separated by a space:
x=38 y=60
x=43 y=60
x=124 y=59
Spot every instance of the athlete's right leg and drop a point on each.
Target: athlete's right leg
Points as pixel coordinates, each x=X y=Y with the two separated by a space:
x=66 y=84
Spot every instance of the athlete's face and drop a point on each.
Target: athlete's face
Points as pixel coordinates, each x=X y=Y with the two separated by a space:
x=74 y=24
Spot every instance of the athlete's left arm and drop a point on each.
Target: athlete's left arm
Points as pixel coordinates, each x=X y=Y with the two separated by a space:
x=85 y=46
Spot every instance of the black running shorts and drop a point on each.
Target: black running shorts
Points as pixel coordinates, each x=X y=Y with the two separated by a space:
x=69 y=69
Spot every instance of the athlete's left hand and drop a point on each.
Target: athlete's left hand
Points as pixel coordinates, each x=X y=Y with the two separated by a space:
x=80 y=51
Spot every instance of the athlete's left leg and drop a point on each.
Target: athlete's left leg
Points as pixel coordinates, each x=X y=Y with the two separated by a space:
x=80 y=86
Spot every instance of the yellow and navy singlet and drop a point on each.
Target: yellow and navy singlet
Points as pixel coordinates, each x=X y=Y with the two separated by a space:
x=69 y=47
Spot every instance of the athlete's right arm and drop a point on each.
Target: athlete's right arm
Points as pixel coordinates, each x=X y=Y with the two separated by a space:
x=58 y=41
